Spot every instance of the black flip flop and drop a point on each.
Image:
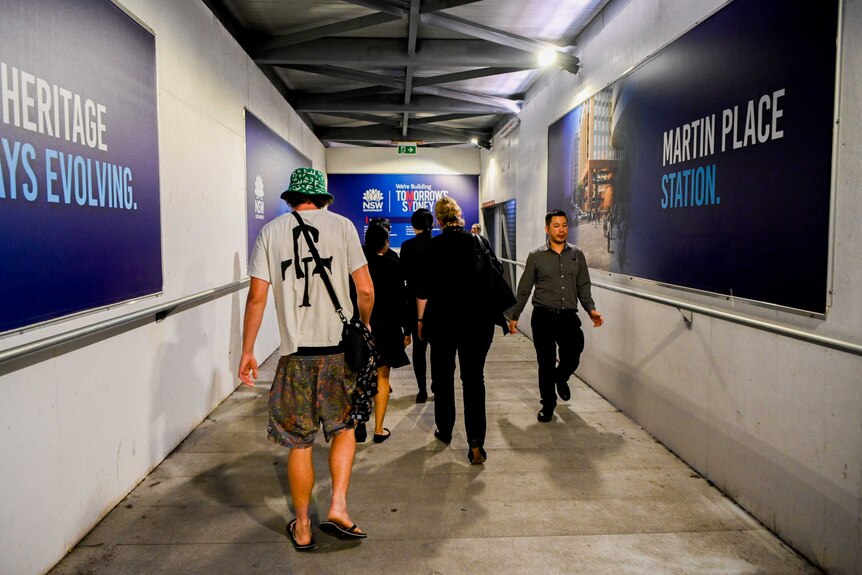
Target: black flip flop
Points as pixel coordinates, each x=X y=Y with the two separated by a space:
x=291 y=527
x=335 y=530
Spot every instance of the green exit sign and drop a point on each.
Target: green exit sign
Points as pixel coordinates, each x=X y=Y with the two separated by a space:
x=407 y=149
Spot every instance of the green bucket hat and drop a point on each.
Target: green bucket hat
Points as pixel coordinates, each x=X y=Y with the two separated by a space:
x=307 y=181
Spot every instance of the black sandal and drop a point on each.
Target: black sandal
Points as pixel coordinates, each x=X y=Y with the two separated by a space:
x=291 y=534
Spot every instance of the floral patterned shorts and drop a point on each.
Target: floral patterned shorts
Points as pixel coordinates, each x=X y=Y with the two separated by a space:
x=308 y=390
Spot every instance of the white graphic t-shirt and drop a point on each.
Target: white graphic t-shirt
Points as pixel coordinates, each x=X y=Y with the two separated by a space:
x=306 y=316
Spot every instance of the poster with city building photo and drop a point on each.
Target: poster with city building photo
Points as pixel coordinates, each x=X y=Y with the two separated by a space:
x=709 y=166
x=582 y=178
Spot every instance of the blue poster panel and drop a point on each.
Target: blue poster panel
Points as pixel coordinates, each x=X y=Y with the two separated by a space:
x=710 y=165
x=269 y=161
x=362 y=197
x=79 y=165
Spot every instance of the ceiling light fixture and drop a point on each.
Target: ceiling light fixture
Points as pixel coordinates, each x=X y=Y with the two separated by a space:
x=509 y=127
x=547 y=57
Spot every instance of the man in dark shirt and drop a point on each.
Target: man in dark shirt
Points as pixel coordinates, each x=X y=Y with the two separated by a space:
x=558 y=270
x=411 y=263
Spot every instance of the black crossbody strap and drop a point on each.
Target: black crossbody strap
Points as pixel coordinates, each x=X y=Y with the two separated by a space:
x=486 y=253
x=323 y=273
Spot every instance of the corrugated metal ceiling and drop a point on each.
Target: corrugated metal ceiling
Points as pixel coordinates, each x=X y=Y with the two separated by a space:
x=373 y=72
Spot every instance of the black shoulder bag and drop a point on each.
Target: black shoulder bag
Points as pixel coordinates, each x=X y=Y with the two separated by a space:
x=491 y=275
x=360 y=353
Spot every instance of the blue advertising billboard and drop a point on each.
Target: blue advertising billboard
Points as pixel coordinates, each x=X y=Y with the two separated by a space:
x=362 y=197
x=269 y=161
x=80 y=224
x=710 y=165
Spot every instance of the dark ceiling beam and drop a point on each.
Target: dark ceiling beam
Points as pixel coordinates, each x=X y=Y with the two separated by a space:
x=283 y=40
x=374 y=118
x=361 y=22
x=393 y=104
x=445 y=118
x=412 y=37
x=435 y=5
x=389 y=82
x=357 y=93
x=466 y=75
x=462 y=26
x=366 y=133
x=412 y=27
x=462 y=134
x=401 y=6
x=399 y=10
x=512 y=106
x=405 y=117
x=455 y=24
x=502 y=105
x=394 y=134
x=390 y=53
x=391 y=121
x=368 y=144
x=392 y=84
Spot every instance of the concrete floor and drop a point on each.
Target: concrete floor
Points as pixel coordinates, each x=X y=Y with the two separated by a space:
x=589 y=493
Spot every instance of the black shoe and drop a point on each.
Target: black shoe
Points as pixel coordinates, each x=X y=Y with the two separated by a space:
x=563 y=391
x=478 y=457
x=422 y=396
x=381 y=437
x=447 y=439
x=360 y=432
x=545 y=415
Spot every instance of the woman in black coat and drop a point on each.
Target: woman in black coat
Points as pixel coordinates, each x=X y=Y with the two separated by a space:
x=390 y=320
x=456 y=316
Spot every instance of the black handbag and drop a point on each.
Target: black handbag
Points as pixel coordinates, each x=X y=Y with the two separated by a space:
x=360 y=352
x=491 y=275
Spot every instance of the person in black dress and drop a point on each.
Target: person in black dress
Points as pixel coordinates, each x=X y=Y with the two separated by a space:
x=390 y=319
x=456 y=316
x=411 y=262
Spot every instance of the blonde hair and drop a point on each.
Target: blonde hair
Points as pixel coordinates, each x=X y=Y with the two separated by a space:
x=448 y=212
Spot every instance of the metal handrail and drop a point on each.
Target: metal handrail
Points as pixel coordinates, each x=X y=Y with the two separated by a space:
x=158 y=313
x=809 y=337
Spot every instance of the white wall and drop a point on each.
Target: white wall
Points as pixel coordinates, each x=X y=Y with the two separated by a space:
x=81 y=430
x=388 y=161
x=776 y=423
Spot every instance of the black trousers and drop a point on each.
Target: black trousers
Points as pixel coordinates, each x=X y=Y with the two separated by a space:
x=553 y=329
x=420 y=368
x=471 y=345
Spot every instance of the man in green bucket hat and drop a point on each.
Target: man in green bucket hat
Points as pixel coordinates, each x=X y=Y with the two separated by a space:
x=311 y=384
x=309 y=183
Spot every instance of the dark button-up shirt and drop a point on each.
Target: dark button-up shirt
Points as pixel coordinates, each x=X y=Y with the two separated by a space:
x=560 y=280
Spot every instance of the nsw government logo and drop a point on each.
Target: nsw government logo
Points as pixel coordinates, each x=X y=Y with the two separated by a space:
x=372 y=200
x=258 y=198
